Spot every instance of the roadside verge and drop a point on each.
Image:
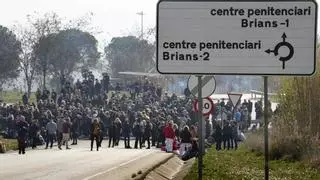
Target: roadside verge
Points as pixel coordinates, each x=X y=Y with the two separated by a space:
x=135 y=169
x=173 y=169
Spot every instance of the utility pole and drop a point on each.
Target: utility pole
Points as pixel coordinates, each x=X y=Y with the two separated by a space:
x=141 y=14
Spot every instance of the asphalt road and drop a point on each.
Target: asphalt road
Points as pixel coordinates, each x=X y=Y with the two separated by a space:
x=78 y=163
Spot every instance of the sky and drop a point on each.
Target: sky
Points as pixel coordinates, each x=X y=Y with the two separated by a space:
x=111 y=17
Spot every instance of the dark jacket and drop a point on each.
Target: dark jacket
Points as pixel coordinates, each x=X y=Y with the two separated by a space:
x=227 y=131
x=126 y=129
x=102 y=127
x=148 y=129
x=185 y=136
x=22 y=127
x=66 y=127
x=112 y=130
x=218 y=133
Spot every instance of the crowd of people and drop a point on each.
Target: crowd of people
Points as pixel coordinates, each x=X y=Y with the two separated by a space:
x=86 y=109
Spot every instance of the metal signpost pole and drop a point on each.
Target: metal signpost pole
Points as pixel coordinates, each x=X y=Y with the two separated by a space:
x=200 y=127
x=266 y=144
x=233 y=112
x=221 y=112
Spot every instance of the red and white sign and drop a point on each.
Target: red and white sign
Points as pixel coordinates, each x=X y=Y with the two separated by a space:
x=235 y=98
x=207 y=106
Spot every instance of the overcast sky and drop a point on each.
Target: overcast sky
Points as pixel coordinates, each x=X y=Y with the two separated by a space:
x=112 y=17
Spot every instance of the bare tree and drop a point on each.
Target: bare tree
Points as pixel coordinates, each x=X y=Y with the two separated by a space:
x=27 y=59
x=41 y=26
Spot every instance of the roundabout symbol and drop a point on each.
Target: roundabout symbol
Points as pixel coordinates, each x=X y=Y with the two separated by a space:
x=278 y=46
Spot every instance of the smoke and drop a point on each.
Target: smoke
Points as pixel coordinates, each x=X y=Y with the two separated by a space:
x=226 y=84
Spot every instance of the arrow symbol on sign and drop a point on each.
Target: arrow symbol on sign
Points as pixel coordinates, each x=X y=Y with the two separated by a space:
x=284 y=36
x=271 y=51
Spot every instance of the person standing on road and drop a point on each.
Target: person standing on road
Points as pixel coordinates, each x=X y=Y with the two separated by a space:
x=59 y=129
x=95 y=133
x=74 y=131
x=102 y=132
x=22 y=127
x=33 y=133
x=147 y=132
x=154 y=133
x=51 y=129
x=117 y=130
x=137 y=133
x=161 y=138
x=111 y=131
x=126 y=134
x=65 y=133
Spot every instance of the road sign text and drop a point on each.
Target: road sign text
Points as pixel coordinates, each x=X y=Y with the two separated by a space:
x=237 y=37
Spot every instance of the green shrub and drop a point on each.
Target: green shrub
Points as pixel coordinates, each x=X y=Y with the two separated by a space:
x=255 y=142
x=290 y=148
x=312 y=157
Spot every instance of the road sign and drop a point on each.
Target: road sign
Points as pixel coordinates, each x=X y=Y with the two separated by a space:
x=207 y=107
x=234 y=98
x=237 y=37
x=208 y=85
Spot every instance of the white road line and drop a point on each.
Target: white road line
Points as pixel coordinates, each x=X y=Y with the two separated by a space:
x=125 y=163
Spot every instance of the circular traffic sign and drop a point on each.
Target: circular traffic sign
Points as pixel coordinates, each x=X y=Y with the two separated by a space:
x=207 y=106
x=208 y=85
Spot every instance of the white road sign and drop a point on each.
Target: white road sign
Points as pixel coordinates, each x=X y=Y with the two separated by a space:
x=235 y=98
x=236 y=37
x=208 y=85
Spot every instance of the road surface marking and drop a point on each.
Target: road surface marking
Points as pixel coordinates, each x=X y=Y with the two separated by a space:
x=125 y=163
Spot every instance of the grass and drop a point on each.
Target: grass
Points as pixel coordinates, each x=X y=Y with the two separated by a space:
x=245 y=165
x=11 y=144
x=15 y=97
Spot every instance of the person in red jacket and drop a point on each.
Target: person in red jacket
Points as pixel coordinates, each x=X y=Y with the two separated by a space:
x=169 y=134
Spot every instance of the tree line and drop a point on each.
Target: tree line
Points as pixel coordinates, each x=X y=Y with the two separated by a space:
x=49 y=48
